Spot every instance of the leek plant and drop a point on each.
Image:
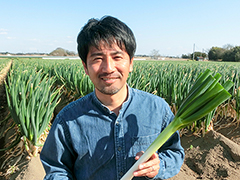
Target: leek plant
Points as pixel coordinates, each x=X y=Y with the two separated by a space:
x=204 y=96
x=76 y=83
x=172 y=81
x=3 y=63
x=209 y=117
x=237 y=106
x=31 y=101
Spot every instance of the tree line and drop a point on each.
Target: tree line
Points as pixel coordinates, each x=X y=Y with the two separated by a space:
x=62 y=52
x=227 y=53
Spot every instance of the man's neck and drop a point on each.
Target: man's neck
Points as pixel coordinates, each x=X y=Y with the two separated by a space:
x=113 y=102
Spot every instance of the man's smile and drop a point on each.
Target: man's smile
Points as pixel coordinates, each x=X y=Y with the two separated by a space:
x=109 y=80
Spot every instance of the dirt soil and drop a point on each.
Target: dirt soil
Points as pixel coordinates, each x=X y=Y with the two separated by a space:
x=215 y=156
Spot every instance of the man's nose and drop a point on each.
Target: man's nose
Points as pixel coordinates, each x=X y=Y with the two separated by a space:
x=108 y=65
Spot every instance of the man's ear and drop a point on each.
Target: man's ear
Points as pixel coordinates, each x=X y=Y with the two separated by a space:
x=85 y=67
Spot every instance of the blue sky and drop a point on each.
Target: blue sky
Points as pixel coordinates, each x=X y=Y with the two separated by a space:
x=172 y=26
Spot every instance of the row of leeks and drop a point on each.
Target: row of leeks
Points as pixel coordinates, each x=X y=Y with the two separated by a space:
x=31 y=99
x=168 y=80
x=172 y=81
x=204 y=96
x=237 y=103
x=3 y=64
x=74 y=80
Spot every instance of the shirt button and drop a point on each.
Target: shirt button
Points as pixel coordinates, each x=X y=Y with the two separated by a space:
x=119 y=148
x=121 y=173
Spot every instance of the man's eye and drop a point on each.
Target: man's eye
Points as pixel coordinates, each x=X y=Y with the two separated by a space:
x=118 y=57
x=97 y=59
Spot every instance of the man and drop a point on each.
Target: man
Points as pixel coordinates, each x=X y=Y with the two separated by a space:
x=101 y=135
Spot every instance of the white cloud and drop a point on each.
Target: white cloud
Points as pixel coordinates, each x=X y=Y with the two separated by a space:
x=3 y=31
x=34 y=39
x=11 y=37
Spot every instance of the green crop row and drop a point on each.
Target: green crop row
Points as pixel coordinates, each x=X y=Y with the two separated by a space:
x=173 y=80
x=31 y=99
x=34 y=87
x=3 y=63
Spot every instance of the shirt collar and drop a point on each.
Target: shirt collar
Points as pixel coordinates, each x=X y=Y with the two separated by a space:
x=105 y=108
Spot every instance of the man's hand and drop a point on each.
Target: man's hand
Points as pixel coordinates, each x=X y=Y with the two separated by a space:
x=149 y=168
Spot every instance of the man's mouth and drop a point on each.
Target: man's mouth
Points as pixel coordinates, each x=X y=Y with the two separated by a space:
x=109 y=80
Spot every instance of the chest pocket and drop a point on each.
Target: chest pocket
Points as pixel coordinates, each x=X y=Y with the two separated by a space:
x=142 y=143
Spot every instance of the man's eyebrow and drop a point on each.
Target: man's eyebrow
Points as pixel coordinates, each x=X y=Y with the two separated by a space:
x=101 y=54
x=96 y=54
x=117 y=52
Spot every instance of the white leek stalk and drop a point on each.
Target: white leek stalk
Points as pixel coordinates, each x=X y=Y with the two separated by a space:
x=205 y=95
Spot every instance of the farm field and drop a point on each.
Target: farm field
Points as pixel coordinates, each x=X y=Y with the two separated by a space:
x=37 y=89
x=3 y=63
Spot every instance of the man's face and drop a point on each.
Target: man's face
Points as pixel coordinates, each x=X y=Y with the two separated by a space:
x=108 y=68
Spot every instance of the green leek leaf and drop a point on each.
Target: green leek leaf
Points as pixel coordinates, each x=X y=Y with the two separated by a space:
x=205 y=95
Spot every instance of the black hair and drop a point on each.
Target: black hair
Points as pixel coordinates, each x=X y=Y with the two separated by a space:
x=109 y=30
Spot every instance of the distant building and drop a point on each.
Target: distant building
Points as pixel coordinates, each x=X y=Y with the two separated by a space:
x=200 y=58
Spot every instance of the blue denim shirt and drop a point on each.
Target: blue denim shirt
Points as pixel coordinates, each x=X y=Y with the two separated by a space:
x=88 y=141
